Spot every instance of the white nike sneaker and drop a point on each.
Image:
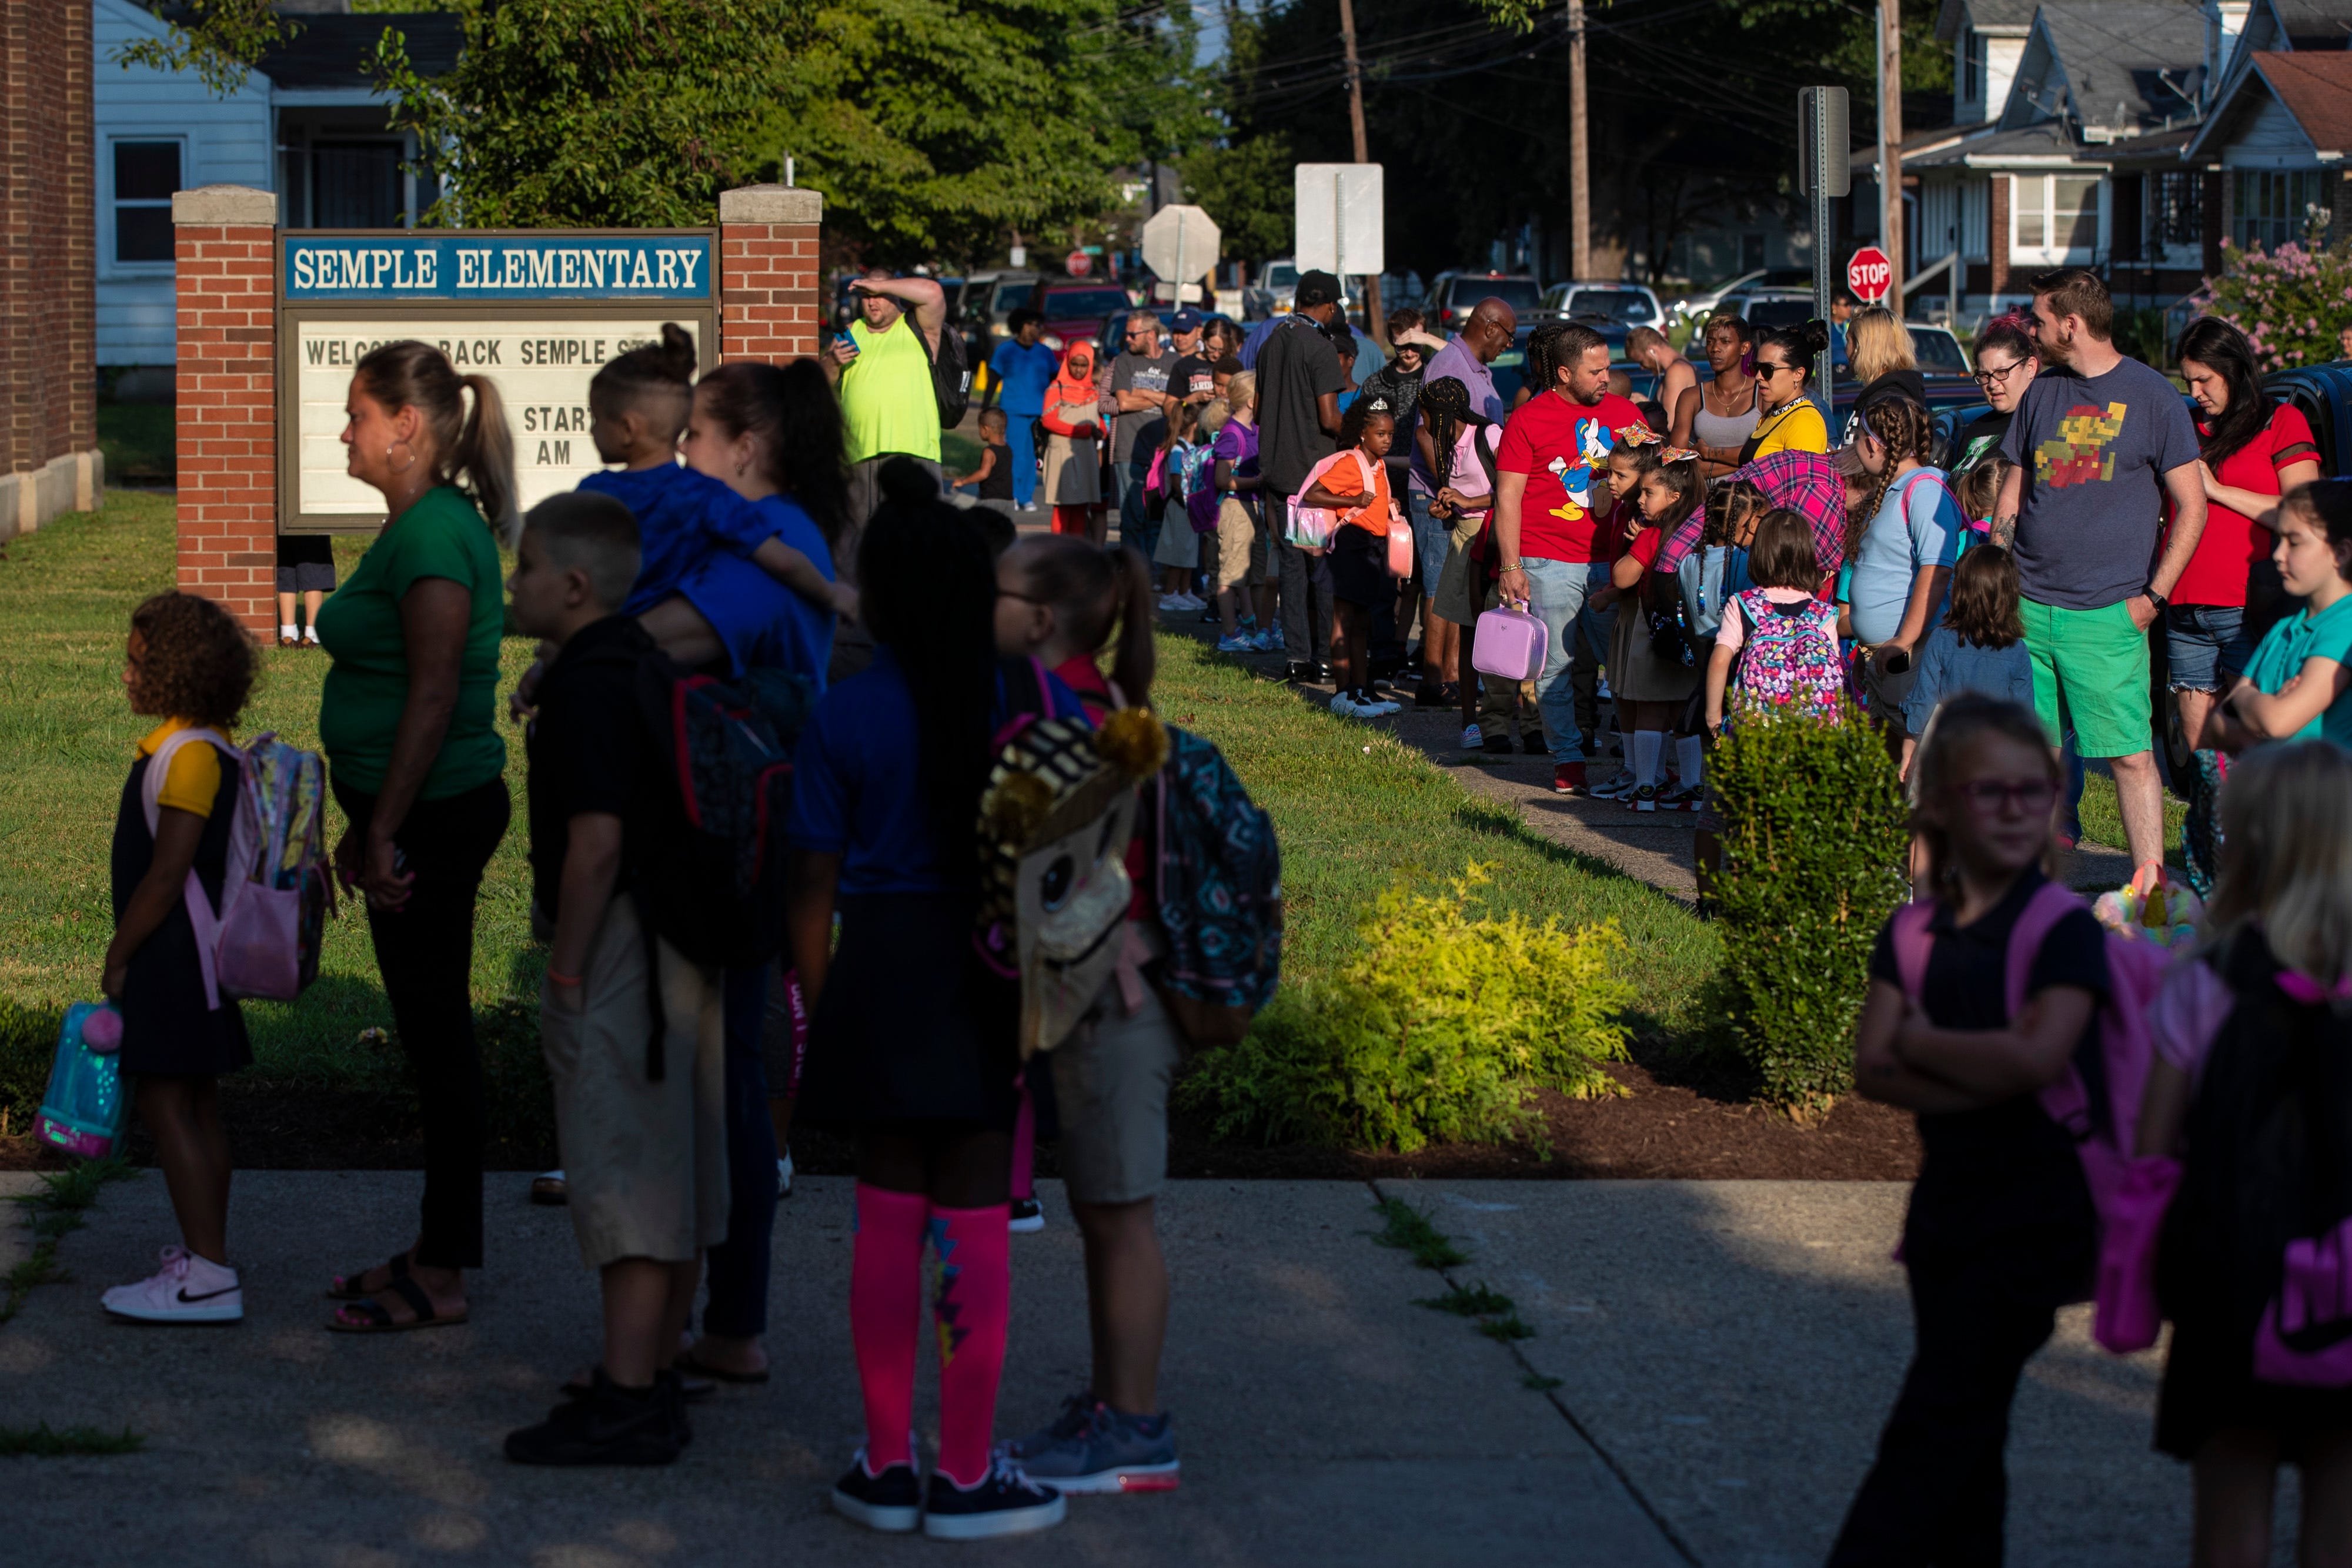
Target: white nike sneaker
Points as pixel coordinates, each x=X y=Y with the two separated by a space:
x=186 y=1290
x=784 y=1174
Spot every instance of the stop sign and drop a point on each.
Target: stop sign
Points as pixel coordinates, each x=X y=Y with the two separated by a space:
x=1870 y=275
x=1078 y=263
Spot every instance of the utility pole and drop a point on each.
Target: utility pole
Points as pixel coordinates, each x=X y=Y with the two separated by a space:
x=1890 y=145
x=1375 y=321
x=1579 y=150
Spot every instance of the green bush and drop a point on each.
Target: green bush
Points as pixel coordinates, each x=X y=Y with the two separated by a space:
x=1439 y=1029
x=1813 y=845
x=28 y=1046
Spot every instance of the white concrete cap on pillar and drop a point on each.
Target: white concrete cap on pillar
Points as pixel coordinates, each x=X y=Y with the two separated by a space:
x=770 y=204
x=225 y=206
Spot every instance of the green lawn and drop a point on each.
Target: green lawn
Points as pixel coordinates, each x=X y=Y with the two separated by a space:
x=1354 y=808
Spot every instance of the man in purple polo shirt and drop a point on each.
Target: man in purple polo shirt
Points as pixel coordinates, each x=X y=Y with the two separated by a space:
x=1492 y=328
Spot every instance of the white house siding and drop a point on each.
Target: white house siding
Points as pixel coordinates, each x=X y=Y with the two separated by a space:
x=2270 y=140
x=224 y=141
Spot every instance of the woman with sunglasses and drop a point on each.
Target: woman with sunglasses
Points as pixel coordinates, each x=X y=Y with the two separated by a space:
x=1788 y=420
x=2006 y=365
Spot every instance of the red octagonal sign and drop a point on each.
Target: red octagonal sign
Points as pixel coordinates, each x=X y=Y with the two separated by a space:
x=1870 y=275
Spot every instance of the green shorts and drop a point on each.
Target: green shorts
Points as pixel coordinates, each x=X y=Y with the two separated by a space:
x=2090 y=675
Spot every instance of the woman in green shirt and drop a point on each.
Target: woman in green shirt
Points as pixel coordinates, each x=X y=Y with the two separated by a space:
x=420 y=772
x=2296 y=684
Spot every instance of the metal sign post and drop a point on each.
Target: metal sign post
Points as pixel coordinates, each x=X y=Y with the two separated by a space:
x=1825 y=172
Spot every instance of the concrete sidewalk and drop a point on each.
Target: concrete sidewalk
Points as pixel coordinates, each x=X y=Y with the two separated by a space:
x=1726 y=1353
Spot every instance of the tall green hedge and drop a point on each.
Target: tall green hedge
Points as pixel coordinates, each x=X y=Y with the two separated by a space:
x=1813 y=845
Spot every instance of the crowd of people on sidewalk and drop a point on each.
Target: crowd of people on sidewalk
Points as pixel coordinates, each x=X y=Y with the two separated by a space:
x=1987 y=600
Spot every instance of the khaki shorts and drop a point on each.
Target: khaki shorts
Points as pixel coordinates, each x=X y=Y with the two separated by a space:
x=1236 y=544
x=644 y=1164
x=1110 y=1082
x=1451 y=600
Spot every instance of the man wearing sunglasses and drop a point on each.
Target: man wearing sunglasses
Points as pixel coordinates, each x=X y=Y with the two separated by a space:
x=1139 y=382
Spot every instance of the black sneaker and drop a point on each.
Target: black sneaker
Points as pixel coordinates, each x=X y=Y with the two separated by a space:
x=891 y=1502
x=669 y=1388
x=1532 y=743
x=1006 y=1502
x=613 y=1425
x=1495 y=745
x=1428 y=695
x=1025 y=1217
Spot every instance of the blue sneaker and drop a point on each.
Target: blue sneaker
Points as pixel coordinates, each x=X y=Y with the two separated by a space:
x=1005 y=1502
x=891 y=1502
x=1240 y=643
x=1091 y=1447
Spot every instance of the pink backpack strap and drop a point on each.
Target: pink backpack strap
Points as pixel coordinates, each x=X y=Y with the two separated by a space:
x=201 y=913
x=1912 y=942
x=2064 y=1100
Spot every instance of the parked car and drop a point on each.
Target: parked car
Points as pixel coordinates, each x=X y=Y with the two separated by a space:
x=1277 y=286
x=988 y=299
x=1074 y=308
x=1763 y=307
x=1454 y=295
x=1113 y=336
x=1628 y=304
x=1706 y=302
x=1939 y=352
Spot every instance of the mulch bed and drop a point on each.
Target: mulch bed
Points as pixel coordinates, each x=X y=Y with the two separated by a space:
x=1665 y=1128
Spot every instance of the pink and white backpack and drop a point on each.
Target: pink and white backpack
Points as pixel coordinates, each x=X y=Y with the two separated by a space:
x=1311 y=527
x=1788 y=659
x=263 y=939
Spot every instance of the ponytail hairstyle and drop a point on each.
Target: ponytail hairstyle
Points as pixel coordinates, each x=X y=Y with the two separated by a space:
x=654 y=379
x=1093 y=591
x=1802 y=343
x=2286 y=857
x=792 y=411
x=472 y=446
x=1978 y=490
x=1689 y=487
x=1960 y=722
x=2328 y=503
x=1906 y=429
x=1445 y=409
x=930 y=598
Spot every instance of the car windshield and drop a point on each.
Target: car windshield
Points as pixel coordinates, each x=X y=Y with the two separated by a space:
x=1940 y=354
x=1520 y=294
x=1618 y=304
x=1011 y=296
x=1281 y=275
x=1778 y=312
x=1068 y=305
x=1510 y=370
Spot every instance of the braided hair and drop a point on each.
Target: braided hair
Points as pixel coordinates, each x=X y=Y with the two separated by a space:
x=1905 y=429
x=1445 y=411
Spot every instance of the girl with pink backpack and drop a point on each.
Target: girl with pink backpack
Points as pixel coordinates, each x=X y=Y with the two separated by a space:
x=2251 y=1089
x=1353 y=488
x=2000 y=1232
x=189 y=668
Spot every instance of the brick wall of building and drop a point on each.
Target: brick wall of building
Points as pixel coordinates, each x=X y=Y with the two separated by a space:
x=49 y=410
x=226 y=271
x=768 y=302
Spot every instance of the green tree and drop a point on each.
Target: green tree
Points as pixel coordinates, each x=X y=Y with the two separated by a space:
x=220 y=40
x=1246 y=185
x=595 y=113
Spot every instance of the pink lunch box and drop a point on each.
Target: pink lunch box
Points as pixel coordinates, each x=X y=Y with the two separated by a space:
x=1510 y=643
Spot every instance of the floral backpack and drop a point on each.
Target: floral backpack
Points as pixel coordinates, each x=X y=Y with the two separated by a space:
x=1792 y=653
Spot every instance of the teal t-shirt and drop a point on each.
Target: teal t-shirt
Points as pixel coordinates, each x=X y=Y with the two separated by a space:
x=442 y=535
x=2302 y=635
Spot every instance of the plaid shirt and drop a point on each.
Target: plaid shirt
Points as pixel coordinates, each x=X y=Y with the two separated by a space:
x=1805 y=482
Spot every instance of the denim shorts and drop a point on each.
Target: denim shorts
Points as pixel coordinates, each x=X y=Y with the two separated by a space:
x=1431 y=540
x=2204 y=645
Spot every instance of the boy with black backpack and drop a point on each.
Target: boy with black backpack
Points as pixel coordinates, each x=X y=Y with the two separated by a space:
x=631 y=1026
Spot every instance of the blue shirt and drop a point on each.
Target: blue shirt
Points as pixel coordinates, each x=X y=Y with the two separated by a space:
x=683 y=517
x=1026 y=374
x=1949 y=664
x=857 y=779
x=2302 y=635
x=807 y=629
x=1918 y=525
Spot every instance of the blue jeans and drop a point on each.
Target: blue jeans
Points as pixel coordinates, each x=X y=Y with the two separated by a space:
x=1429 y=540
x=1024 y=454
x=1558 y=592
x=737 y=1267
x=1136 y=531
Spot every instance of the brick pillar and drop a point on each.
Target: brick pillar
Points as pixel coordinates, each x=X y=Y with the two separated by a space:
x=767 y=306
x=1997 y=237
x=49 y=355
x=226 y=272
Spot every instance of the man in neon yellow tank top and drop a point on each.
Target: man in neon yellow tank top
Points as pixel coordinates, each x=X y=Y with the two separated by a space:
x=884 y=372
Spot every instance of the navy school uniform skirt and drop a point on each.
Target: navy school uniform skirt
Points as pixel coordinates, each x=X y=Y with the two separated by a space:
x=914 y=1024
x=166 y=1028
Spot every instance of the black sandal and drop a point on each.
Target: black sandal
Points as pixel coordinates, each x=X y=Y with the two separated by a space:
x=346 y=1286
x=380 y=1317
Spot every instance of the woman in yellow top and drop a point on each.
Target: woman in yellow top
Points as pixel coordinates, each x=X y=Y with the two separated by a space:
x=1359 y=493
x=1789 y=422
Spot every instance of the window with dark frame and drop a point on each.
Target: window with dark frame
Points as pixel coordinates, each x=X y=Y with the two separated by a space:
x=2176 y=209
x=145 y=176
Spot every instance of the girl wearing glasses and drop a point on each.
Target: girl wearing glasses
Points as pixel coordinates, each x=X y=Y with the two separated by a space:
x=1788 y=421
x=2000 y=1232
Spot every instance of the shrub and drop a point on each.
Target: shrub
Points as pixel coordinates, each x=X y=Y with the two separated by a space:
x=28 y=1047
x=1439 y=1029
x=2288 y=302
x=1814 y=846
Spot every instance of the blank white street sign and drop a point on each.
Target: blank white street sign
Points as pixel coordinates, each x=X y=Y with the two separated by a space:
x=1341 y=226
x=1179 y=245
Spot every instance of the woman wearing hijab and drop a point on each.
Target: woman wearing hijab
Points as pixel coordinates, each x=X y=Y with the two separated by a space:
x=1073 y=422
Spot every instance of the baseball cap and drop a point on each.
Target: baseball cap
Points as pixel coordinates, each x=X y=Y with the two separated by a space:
x=1185 y=322
x=1316 y=289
